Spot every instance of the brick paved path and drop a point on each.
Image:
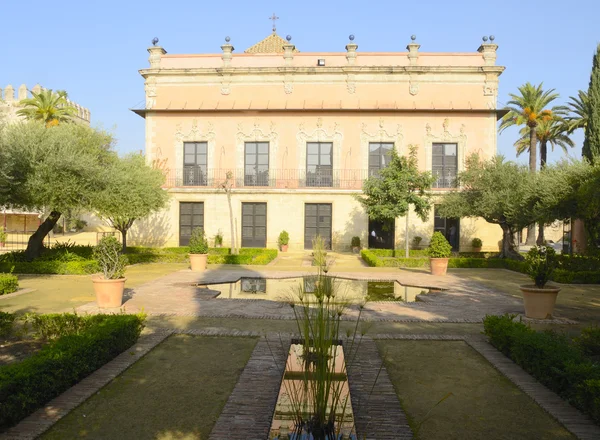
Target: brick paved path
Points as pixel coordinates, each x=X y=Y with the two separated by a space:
x=462 y=301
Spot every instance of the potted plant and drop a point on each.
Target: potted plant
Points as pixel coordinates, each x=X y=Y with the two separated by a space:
x=219 y=239
x=283 y=240
x=476 y=244
x=416 y=242
x=355 y=244
x=539 y=299
x=439 y=251
x=2 y=237
x=110 y=282
x=198 y=250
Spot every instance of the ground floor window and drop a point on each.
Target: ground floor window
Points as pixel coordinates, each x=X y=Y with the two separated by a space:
x=449 y=227
x=317 y=221
x=254 y=225
x=381 y=234
x=191 y=215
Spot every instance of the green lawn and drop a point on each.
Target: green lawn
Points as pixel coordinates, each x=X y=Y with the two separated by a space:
x=484 y=404
x=176 y=392
x=63 y=293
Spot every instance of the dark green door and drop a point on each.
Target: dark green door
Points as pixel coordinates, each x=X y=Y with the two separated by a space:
x=317 y=221
x=254 y=225
x=191 y=215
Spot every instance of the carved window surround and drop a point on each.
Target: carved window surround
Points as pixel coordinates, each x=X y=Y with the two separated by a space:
x=319 y=135
x=195 y=134
x=459 y=139
x=256 y=134
x=380 y=135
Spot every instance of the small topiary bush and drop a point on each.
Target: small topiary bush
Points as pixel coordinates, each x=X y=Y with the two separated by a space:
x=476 y=243
x=6 y=324
x=552 y=358
x=198 y=243
x=439 y=246
x=31 y=383
x=541 y=262
x=8 y=283
x=416 y=242
x=283 y=239
x=110 y=260
x=355 y=242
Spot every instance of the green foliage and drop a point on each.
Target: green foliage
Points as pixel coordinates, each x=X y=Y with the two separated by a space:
x=284 y=238
x=108 y=255
x=355 y=242
x=541 y=262
x=48 y=106
x=416 y=241
x=56 y=325
x=589 y=341
x=219 y=239
x=6 y=324
x=52 y=267
x=476 y=243
x=551 y=358
x=76 y=223
x=580 y=110
x=198 y=243
x=31 y=383
x=398 y=186
x=133 y=191
x=8 y=283
x=3 y=235
x=439 y=246
x=591 y=143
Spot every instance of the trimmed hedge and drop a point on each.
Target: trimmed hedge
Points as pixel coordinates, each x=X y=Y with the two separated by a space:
x=258 y=256
x=52 y=267
x=552 y=358
x=8 y=283
x=31 y=383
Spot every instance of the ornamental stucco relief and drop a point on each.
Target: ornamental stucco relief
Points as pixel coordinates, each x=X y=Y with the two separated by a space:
x=256 y=134
x=320 y=134
x=379 y=134
x=194 y=134
x=460 y=139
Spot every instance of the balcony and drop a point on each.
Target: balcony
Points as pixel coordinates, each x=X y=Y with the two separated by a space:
x=282 y=179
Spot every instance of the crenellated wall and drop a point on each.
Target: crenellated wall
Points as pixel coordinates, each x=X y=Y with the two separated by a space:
x=10 y=99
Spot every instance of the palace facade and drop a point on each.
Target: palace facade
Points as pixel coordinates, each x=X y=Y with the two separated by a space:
x=294 y=134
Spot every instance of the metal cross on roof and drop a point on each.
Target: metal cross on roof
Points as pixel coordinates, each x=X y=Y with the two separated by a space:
x=274 y=17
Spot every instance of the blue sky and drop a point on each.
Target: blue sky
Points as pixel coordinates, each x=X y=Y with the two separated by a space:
x=95 y=49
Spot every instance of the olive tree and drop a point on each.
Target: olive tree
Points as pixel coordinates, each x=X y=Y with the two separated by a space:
x=133 y=191
x=52 y=169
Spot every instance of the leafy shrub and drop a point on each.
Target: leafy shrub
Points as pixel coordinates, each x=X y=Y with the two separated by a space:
x=589 y=340
x=476 y=243
x=283 y=239
x=76 y=223
x=53 y=267
x=55 y=325
x=551 y=358
x=372 y=259
x=6 y=324
x=541 y=262
x=198 y=243
x=219 y=239
x=31 y=383
x=8 y=283
x=3 y=235
x=412 y=262
x=108 y=255
x=355 y=242
x=416 y=241
x=439 y=246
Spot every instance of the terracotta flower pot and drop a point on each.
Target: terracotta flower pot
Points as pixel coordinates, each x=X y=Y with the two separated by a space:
x=478 y=249
x=284 y=248
x=355 y=249
x=539 y=303
x=109 y=293
x=198 y=262
x=438 y=266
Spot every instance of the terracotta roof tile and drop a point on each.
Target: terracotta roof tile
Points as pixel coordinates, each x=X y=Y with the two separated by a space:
x=272 y=44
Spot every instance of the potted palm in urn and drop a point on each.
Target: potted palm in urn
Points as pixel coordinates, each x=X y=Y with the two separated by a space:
x=539 y=299
x=110 y=282
x=283 y=240
x=198 y=250
x=439 y=251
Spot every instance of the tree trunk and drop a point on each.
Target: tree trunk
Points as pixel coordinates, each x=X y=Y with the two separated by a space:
x=406 y=251
x=508 y=243
x=543 y=156
x=233 y=248
x=532 y=168
x=36 y=241
x=124 y=239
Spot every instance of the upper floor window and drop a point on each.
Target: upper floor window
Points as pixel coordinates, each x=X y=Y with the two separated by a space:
x=194 y=163
x=256 y=164
x=444 y=165
x=380 y=155
x=319 y=164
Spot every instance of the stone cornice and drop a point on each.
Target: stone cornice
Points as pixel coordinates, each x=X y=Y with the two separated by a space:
x=356 y=70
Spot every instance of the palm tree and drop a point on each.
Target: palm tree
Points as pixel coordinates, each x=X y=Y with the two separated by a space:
x=529 y=108
x=48 y=106
x=580 y=110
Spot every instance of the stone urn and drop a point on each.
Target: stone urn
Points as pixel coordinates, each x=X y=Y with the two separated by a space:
x=438 y=266
x=109 y=293
x=198 y=262
x=539 y=302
